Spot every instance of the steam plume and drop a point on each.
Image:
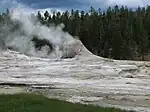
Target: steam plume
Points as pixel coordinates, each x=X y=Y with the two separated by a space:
x=21 y=39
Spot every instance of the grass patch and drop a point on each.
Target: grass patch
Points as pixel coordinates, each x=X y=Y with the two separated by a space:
x=38 y=103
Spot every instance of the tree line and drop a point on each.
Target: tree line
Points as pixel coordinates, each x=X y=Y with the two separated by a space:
x=117 y=32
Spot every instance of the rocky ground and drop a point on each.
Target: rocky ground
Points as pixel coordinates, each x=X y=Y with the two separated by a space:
x=85 y=79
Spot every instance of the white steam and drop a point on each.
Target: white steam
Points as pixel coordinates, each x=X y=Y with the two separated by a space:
x=20 y=39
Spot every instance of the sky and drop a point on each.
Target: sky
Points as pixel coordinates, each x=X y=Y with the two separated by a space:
x=73 y=4
x=83 y=3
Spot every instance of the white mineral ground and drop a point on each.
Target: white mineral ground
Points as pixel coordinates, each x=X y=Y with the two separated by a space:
x=86 y=78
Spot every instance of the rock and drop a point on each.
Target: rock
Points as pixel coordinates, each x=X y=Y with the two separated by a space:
x=71 y=49
x=129 y=76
